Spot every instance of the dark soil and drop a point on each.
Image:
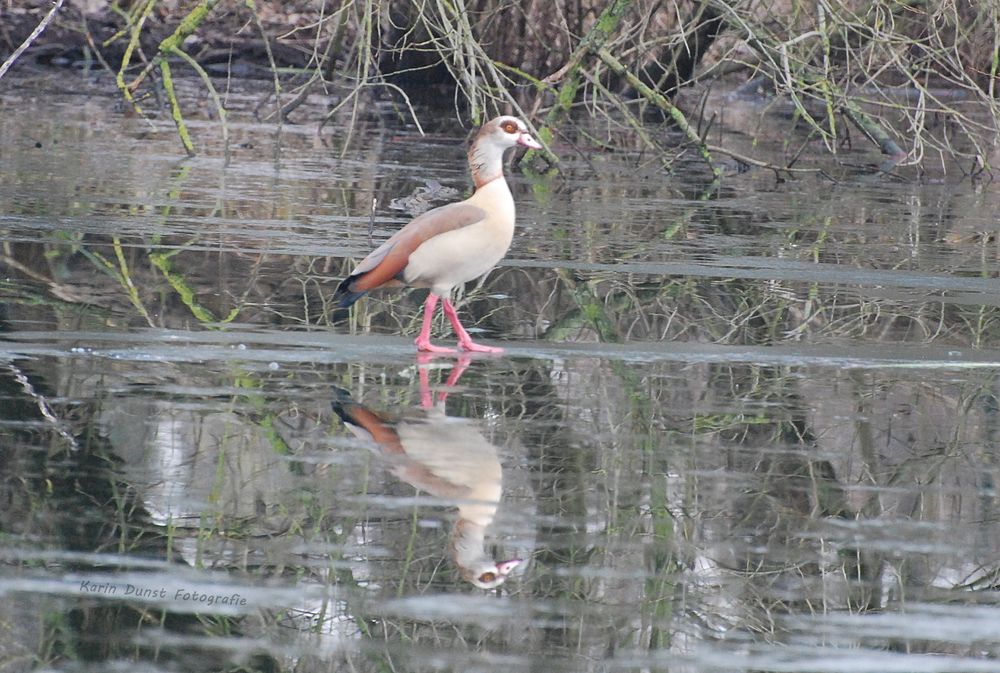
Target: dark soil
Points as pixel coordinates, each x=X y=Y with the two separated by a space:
x=229 y=36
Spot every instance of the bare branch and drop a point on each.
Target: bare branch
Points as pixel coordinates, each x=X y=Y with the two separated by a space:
x=31 y=38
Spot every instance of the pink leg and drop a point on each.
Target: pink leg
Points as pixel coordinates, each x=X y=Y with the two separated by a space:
x=426 y=398
x=424 y=338
x=426 y=401
x=456 y=373
x=464 y=340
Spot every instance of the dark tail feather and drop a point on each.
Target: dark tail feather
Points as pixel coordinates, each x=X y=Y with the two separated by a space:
x=341 y=400
x=344 y=296
x=346 y=408
x=357 y=417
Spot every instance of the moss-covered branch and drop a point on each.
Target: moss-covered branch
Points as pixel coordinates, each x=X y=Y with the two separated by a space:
x=660 y=101
x=569 y=74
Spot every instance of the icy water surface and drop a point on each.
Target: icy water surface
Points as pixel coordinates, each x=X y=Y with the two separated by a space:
x=747 y=427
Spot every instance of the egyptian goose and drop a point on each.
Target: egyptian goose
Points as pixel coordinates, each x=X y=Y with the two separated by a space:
x=453 y=244
x=449 y=458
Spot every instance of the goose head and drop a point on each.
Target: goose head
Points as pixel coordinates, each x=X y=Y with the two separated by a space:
x=494 y=138
x=489 y=575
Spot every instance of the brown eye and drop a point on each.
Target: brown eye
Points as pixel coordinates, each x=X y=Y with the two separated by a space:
x=509 y=127
x=489 y=577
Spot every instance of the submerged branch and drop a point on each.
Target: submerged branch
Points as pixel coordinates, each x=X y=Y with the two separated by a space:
x=872 y=129
x=219 y=108
x=175 y=108
x=187 y=295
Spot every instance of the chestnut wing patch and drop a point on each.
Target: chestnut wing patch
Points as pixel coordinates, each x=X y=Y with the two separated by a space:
x=389 y=259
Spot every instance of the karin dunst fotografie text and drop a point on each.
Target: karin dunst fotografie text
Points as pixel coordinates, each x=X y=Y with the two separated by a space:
x=128 y=590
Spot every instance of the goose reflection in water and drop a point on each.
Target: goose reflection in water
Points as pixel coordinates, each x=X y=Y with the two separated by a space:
x=447 y=457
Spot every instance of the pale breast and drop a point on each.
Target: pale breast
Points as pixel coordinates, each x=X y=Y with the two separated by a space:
x=460 y=255
x=454 y=451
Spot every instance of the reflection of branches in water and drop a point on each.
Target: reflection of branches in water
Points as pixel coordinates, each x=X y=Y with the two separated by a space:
x=44 y=408
x=732 y=311
x=784 y=486
x=673 y=499
x=551 y=304
x=551 y=299
x=72 y=506
x=804 y=541
x=559 y=463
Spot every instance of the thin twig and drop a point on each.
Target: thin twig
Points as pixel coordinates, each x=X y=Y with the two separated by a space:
x=31 y=38
x=660 y=101
x=42 y=402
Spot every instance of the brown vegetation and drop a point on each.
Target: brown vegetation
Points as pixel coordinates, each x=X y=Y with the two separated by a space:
x=917 y=79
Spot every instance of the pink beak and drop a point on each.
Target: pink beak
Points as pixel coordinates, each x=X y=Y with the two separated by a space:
x=504 y=567
x=526 y=140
